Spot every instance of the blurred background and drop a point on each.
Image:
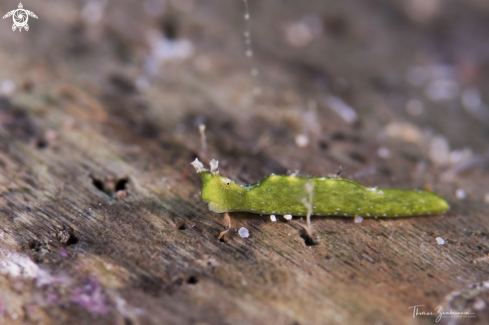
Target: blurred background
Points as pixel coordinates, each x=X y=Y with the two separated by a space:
x=321 y=74
x=100 y=106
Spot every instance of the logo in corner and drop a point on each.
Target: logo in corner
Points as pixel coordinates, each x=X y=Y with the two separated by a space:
x=20 y=16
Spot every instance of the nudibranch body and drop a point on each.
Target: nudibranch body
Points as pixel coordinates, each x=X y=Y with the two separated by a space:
x=333 y=196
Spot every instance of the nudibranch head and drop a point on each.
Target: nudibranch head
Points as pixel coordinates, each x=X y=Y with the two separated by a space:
x=221 y=193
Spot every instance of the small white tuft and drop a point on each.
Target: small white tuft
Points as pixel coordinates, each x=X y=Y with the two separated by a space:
x=199 y=167
x=214 y=166
x=288 y=216
x=358 y=219
x=440 y=240
x=243 y=232
x=273 y=218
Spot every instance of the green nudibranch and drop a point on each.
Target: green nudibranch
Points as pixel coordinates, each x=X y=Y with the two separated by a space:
x=333 y=196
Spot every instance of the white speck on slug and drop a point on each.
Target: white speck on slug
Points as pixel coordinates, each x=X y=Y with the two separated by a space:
x=440 y=241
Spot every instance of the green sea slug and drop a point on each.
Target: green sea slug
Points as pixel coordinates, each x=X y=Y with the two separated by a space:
x=333 y=196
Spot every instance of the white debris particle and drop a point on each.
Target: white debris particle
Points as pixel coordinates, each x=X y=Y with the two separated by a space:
x=405 y=131
x=442 y=89
x=288 y=216
x=143 y=84
x=165 y=50
x=383 y=152
x=414 y=107
x=358 y=219
x=479 y=304
x=290 y=313
x=154 y=7
x=347 y=113
x=301 y=140
x=460 y=193
x=422 y=10
x=273 y=218
x=93 y=11
x=15 y=264
x=439 y=150
x=243 y=232
x=7 y=87
x=458 y=156
x=440 y=241
x=302 y=32
x=471 y=99
x=298 y=34
x=310 y=118
x=486 y=198
x=473 y=104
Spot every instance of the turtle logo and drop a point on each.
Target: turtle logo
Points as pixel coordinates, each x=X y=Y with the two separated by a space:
x=20 y=16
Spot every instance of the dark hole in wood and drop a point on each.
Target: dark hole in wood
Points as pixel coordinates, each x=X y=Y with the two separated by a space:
x=355 y=156
x=41 y=143
x=192 y=280
x=121 y=184
x=98 y=184
x=34 y=244
x=338 y=136
x=183 y=226
x=385 y=171
x=336 y=25
x=66 y=236
x=169 y=26
x=323 y=145
x=151 y=285
x=308 y=240
x=123 y=84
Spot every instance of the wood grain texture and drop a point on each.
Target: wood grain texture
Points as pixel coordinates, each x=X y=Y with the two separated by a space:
x=101 y=220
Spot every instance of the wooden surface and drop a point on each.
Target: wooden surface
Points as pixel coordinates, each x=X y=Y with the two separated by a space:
x=101 y=220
